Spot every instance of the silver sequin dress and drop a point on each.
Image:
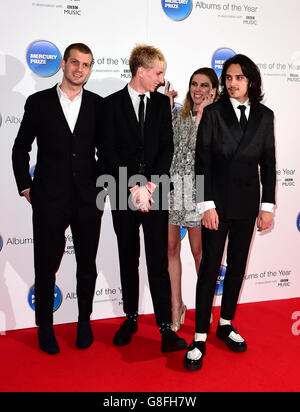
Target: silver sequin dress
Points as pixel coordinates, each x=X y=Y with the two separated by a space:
x=182 y=200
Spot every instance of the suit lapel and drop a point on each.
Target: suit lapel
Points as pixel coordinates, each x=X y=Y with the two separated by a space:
x=235 y=134
x=235 y=141
x=56 y=109
x=150 y=114
x=84 y=108
x=129 y=113
x=252 y=126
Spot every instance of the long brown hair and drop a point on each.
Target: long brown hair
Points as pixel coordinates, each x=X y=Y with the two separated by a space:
x=188 y=101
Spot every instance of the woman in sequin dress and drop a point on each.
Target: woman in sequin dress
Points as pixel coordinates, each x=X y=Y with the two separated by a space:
x=203 y=90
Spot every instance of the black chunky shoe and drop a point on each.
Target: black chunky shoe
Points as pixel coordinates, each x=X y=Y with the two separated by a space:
x=195 y=364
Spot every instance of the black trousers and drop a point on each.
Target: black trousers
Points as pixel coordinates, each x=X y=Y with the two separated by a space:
x=49 y=225
x=239 y=233
x=155 y=228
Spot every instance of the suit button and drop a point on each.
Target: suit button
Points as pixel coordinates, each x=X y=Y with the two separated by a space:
x=74 y=154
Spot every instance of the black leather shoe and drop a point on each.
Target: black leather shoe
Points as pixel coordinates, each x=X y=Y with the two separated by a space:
x=47 y=340
x=84 y=335
x=195 y=364
x=123 y=335
x=223 y=333
x=171 y=342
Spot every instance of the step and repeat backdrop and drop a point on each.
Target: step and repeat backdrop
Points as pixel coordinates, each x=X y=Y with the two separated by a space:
x=191 y=34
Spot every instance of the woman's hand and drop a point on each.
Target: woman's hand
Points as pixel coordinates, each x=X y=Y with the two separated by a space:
x=171 y=94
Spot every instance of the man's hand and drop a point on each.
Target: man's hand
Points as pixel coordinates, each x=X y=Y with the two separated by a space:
x=210 y=219
x=26 y=194
x=264 y=220
x=141 y=198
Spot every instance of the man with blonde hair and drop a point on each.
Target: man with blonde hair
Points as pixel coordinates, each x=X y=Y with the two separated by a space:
x=145 y=56
x=138 y=142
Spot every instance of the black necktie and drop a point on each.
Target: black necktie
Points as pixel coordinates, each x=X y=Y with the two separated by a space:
x=243 y=119
x=142 y=115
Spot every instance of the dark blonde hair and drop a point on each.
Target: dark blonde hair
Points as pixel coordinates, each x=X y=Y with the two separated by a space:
x=145 y=56
x=188 y=101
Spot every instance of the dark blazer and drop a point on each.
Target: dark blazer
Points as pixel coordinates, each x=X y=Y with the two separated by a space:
x=122 y=144
x=234 y=165
x=65 y=160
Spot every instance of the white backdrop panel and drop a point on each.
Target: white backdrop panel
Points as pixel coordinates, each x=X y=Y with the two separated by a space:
x=266 y=32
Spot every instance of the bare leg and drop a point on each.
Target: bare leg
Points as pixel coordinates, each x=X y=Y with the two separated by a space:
x=175 y=270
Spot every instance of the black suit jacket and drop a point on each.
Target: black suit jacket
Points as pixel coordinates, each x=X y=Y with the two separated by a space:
x=234 y=165
x=65 y=160
x=122 y=144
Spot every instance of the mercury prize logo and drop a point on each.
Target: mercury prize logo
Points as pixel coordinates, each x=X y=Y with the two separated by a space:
x=177 y=9
x=57 y=298
x=219 y=58
x=43 y=58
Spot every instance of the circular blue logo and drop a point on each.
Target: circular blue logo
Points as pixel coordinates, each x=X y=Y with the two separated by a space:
x=220 y=281
x=183 y=231
x=43 y=58
x=57 y=298
x=298 y=223
x=1 y=243
x=219 y=58
x=177 y=9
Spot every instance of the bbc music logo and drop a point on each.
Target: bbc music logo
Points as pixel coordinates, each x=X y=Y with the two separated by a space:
x=177 y=10
x=43 y=58
x=58 y=297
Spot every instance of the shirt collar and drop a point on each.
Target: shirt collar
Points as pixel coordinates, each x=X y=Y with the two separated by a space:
x=134 y=94
x=64 y=95
x=236 y=103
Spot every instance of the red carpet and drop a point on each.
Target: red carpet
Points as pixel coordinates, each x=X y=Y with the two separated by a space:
x=271 y=364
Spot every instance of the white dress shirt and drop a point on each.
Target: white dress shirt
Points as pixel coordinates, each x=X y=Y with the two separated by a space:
x=135 y=98
x=70 y=107
x=236 y=104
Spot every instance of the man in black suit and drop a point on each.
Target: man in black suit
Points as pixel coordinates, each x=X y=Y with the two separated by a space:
x=138 y=144
x=65 y=120
x=235 y=140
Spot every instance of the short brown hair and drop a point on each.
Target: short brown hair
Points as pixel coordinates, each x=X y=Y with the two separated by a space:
x=83 y=48
x=145 y=56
